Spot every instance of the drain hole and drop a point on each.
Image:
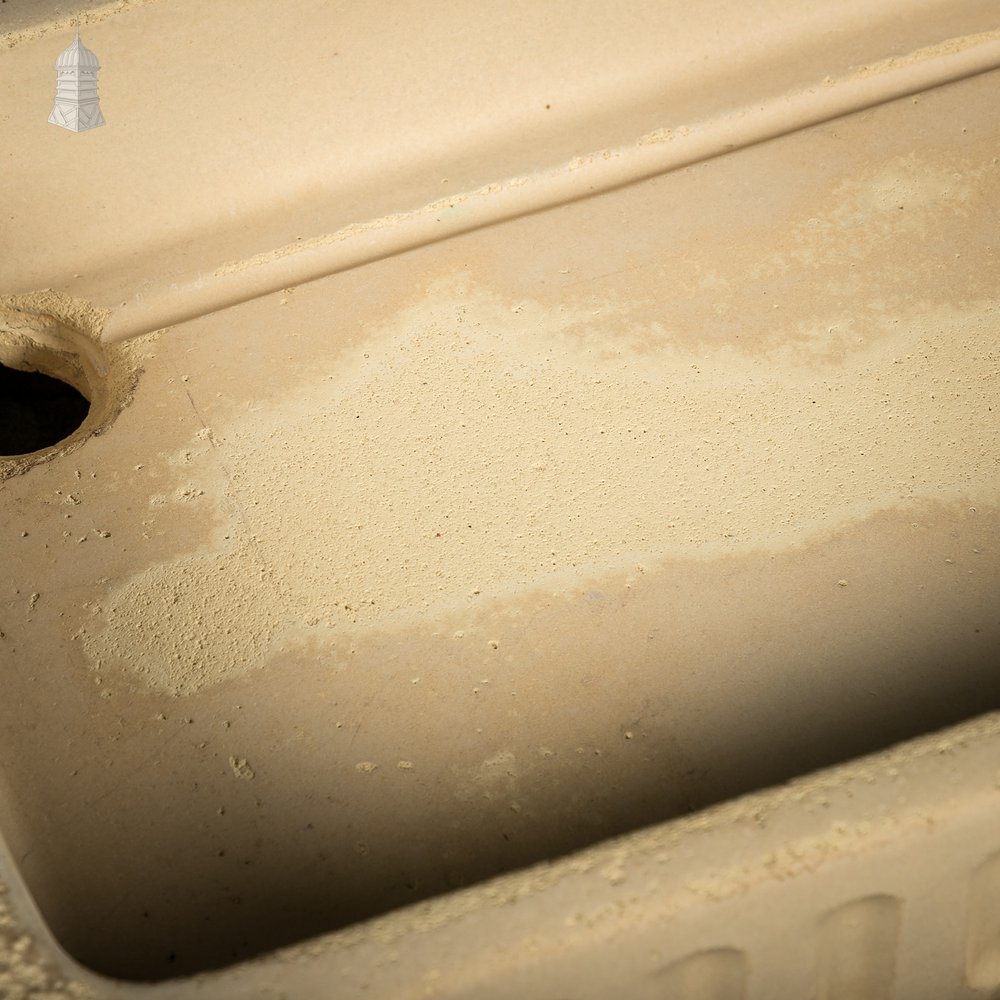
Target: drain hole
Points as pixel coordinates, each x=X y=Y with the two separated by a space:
x=36 y=411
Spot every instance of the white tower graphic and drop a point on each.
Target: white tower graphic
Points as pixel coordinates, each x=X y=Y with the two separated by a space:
x=76 y=106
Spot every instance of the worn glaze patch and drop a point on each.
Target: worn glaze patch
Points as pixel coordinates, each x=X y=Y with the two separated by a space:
x=481 y=445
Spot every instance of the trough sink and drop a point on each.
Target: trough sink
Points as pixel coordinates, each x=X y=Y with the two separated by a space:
x=536 y=528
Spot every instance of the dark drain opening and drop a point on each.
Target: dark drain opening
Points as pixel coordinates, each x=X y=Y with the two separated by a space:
x=37 y=411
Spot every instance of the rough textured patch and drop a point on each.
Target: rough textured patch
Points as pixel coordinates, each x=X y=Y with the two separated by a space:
x=481 y=445
x=24 y=974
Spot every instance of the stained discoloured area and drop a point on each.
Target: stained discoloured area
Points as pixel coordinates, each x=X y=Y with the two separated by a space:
x=483 y=445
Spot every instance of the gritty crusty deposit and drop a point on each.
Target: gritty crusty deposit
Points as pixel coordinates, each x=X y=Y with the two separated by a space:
x=25 y=973
x=27 y=22
x=480 y=445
